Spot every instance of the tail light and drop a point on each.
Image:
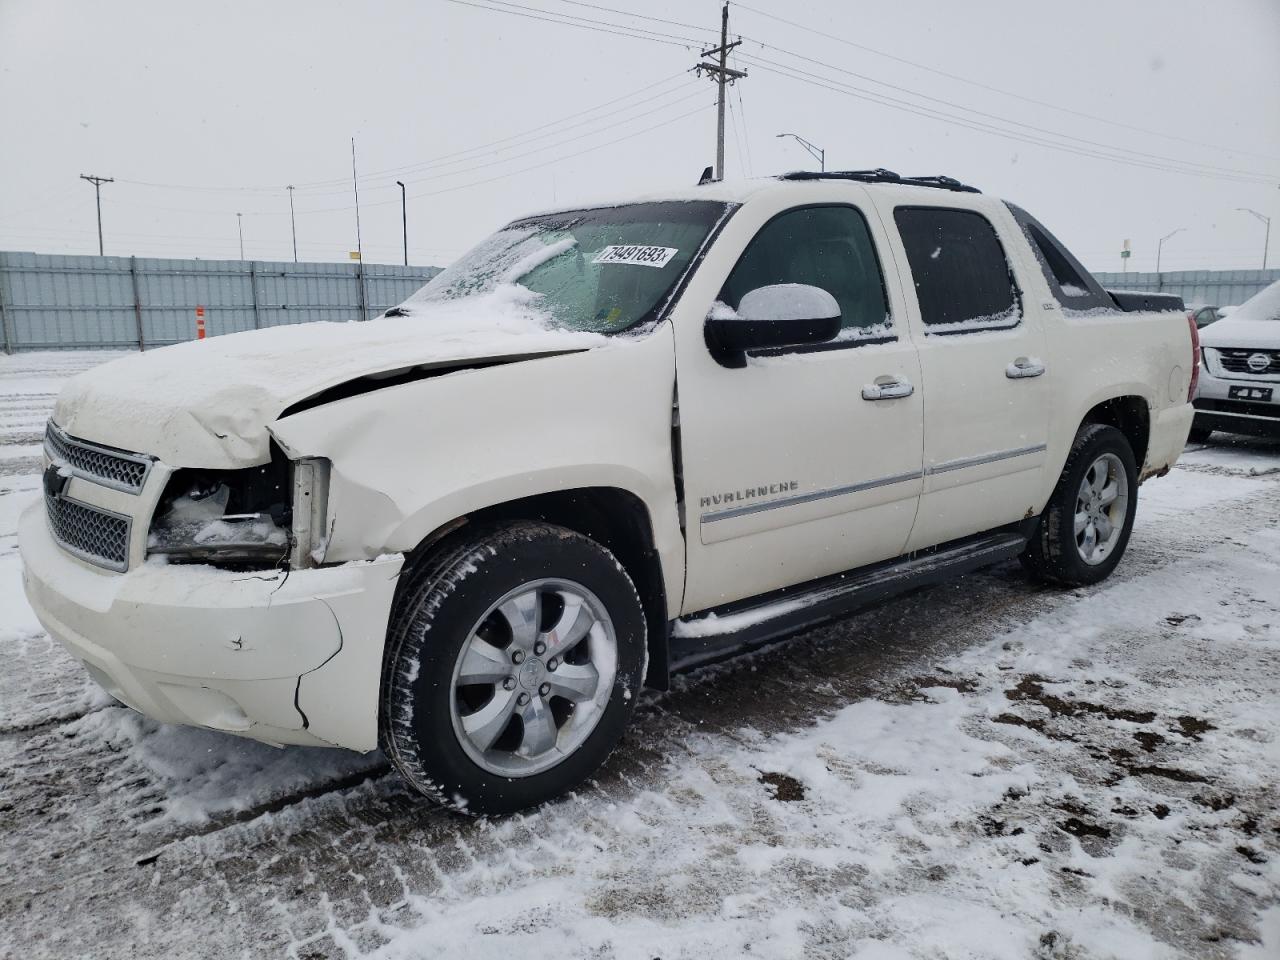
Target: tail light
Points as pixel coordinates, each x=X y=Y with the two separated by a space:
x=1195 y=357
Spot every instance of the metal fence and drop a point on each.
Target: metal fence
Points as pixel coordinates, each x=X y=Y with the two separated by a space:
x=1217 y=287
x=50 y=302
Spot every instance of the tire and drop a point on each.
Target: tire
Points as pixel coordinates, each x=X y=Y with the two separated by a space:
x=1199 y=434
x=494 y=607
x=1056 y=553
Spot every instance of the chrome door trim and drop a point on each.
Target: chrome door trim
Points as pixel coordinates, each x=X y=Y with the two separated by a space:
x=963 y=462
x=800 y=498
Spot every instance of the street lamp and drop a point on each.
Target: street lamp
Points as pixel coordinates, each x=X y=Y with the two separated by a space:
x=1266 y=239
x=814 y=150
x=240 y=230
x=404 y=221
x=1160 y=246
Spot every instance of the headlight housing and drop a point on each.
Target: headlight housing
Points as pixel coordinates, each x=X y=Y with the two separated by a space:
x=257 y=518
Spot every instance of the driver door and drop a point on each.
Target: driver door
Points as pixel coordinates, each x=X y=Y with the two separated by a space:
x=789 y=473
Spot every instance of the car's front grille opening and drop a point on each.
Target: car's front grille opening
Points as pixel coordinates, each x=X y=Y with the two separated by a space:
x=93 y=534
x=1238 y=361
x=113 y=468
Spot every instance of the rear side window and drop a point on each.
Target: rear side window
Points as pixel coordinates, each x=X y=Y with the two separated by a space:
x=962 y=277
x=827 y=247
x=1072 y=285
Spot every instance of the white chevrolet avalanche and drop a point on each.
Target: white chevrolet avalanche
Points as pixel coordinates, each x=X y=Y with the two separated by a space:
x=606 y=444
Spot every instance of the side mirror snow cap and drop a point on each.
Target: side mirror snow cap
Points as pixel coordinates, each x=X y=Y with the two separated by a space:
x=779 y=315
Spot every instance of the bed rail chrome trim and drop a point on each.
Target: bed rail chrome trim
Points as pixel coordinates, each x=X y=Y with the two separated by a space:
x=800 y=498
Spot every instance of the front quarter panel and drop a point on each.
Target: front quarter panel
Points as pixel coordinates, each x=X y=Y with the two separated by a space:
x=409 y=459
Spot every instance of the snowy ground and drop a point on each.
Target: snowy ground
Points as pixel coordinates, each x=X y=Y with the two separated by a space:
x=985 y=769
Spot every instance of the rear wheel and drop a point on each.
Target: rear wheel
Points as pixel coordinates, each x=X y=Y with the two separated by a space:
x=1086 y=525
x=513 y=660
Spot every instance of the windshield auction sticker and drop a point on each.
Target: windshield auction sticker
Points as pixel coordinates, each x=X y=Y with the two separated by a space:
x=634 y=253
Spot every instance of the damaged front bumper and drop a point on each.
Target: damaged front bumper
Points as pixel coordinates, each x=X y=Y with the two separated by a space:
x=279 y=656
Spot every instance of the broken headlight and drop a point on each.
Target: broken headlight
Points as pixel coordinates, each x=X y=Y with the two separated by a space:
x=256 y=518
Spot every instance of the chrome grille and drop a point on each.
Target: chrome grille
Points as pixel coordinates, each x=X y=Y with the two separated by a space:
x=91 y=533
x=111 y=468
x=1237 y=361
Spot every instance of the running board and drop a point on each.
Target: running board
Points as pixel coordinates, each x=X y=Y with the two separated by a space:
x=724 y=631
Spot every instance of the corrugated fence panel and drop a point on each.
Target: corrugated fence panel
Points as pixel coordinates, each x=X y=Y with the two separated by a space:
x=1217 y=287
x=51 y=301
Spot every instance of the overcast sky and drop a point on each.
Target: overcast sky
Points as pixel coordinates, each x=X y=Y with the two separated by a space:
x=200 y=111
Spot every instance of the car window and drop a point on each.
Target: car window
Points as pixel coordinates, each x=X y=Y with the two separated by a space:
x=962 y=278
x=1071 y=284
x=827 y=247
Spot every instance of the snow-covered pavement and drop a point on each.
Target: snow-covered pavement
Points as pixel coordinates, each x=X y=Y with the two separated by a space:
x=983 y=769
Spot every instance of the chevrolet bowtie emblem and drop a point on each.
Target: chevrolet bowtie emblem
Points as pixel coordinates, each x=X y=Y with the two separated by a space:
x=55 y=480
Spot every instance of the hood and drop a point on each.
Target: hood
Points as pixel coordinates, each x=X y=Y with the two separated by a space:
x=208 y=403
x=1242 y=334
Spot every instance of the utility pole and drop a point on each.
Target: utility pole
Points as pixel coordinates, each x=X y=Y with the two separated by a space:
x=97 y=193
x=404 y=221
x=240 y=229
x=1266 y=239
x=723 y=76
x=293 y=224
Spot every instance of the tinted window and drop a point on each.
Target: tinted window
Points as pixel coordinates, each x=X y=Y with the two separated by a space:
x=827 y=247
x=961 y=275
x=1070 y=282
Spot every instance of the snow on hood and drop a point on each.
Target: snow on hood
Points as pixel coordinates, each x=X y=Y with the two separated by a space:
x=208 y=403
x=1255 y=323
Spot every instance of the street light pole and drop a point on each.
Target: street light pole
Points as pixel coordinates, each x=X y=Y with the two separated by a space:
x=404 y=221
x=240 y=229
x=1160 y=246
x=293 y=224
x=1266 y=239
x=814 y=150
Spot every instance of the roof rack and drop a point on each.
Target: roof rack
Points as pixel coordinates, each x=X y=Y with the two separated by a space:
x=881 y=175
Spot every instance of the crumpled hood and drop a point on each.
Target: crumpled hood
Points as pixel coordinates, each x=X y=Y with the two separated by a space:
x=208 y=403
x=1242 y=334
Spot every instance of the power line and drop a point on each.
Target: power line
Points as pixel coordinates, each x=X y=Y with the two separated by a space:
x=491 y=163
x=1169 y=163
x=542 y=130
x=598 y=26
x=746 y=136
x=1216 y=147
x=1003 y=119
x=794 y=73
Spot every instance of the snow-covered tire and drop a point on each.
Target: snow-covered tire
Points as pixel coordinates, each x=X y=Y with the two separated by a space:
x=1054 y=553
x=447 y=628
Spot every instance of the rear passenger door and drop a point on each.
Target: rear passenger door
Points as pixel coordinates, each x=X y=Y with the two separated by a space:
x=983 y=365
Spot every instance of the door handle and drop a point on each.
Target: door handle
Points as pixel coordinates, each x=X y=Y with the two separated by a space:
x=1024 y=367
x=892 y=388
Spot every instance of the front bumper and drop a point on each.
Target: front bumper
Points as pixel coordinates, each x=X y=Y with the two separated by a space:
x=284 y=657
x=1216 y=410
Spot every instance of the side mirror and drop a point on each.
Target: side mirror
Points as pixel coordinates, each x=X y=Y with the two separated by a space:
x=780 y=315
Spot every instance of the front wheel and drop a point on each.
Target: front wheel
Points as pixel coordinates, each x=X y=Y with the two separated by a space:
x=513 y=660
x=1085 y=527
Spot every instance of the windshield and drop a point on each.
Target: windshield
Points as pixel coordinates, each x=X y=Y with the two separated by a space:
x=1264 y=305
x=603 y=270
